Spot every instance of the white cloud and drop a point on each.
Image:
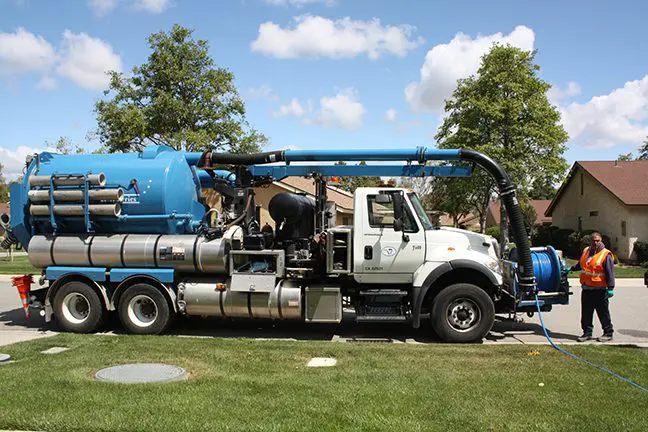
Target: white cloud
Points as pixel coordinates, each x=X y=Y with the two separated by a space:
x=294 y=108
x=299 y=3
x=86 y=60
x=558 y=95
x=46 y=83
x=315 y=36
x=342 y=110
x=14 y=160
x=262 y=92
x=390 y=115
x=102 y=7
x=619 y=117
x=22 y=52
x=152 y=6
x=460 y=58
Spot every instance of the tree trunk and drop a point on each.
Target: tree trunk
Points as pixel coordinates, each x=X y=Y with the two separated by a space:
x=503 y=226
x=484 y=212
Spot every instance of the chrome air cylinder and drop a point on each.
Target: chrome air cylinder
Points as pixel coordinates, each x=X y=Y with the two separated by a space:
x=184 y=253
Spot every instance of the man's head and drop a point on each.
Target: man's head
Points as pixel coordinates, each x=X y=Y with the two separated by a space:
x=596 y=239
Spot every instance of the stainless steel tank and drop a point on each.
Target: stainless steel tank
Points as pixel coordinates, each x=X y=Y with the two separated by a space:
x=202 y=297
x=184 y=253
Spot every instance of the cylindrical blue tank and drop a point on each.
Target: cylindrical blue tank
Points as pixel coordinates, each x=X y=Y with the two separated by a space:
x=161 y=193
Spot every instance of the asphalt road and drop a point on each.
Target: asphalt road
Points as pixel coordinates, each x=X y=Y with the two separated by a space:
x=628 y=310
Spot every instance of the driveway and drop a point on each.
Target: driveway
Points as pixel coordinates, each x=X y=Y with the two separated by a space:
x=628 y=309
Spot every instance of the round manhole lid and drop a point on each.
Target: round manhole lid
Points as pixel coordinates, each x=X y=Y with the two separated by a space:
x=141 y=373
x=4 y=358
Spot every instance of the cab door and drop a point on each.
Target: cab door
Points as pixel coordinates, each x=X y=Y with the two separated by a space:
x=388 y=255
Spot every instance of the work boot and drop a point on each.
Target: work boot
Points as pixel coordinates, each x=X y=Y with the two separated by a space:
x=605 y=338
x=584 y=338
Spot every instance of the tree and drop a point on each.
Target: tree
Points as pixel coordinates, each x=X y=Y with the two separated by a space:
x=4 y=188
x=625 y=157
x=64 y=146
x=542 y=190
x=178 y=98
x=643 y=151
x=351 y=183
x=503 y=111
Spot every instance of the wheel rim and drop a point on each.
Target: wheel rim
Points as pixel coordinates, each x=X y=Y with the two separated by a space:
x=142 y=310
x=463 y=315
x=76 y=308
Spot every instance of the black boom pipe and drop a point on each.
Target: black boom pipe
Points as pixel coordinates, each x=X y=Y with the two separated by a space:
x=507 y=192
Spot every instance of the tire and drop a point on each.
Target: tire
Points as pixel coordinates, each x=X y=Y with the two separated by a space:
x=462 y=313
x=78 y=308
x=143 y=309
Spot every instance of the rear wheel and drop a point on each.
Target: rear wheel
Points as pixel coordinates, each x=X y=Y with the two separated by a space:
x=143 y=309
x=462 y=313
x=78 y=308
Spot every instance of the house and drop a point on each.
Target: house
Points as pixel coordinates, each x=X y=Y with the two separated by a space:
x=343 y=200
x=608 y=196
x=540 y=207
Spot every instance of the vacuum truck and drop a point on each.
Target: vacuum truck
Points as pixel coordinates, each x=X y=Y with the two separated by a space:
x=131 y=234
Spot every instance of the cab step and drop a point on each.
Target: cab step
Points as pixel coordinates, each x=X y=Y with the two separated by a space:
x=384 y=292
x=381 y=318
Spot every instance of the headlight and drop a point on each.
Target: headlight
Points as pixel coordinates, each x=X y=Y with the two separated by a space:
x=494 y=265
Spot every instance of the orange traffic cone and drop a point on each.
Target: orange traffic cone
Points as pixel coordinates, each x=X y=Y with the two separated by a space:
x=23 y=284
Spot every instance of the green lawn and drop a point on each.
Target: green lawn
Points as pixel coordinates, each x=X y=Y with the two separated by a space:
x=620 y=271
x=242 y=384
x=20 y=265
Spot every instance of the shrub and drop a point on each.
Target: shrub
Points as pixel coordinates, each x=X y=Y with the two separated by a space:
x=641 y=249
x=543 y=235
x=494 y=232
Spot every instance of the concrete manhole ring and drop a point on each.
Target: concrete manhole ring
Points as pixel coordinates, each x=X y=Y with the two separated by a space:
x=138 y=373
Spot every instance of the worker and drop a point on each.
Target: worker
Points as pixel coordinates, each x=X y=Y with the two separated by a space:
x=597 y=280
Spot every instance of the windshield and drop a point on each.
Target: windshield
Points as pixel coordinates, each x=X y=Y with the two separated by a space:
x=418 y=208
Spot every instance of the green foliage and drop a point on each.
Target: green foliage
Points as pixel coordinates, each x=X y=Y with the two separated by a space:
x=569 y=241
x=504 y=112
x=643 y=151
x=544 y=235
x=65 y=146
x=350 y=184
x=542 y=189
x=178 y=98
x=625 y=157
x=4 y=188
x=641 y=249
x=493 y=231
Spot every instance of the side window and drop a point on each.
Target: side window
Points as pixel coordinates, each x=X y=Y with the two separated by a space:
x=381 y=215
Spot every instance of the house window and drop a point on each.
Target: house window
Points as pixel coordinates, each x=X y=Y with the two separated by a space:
x=594 y=213
x=581 y=176
x=623 y=228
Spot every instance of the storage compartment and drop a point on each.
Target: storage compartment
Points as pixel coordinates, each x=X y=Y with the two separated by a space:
x=323 y=304
x=338 y=251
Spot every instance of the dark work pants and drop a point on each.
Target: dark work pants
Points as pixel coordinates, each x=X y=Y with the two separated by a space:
x=591 y=300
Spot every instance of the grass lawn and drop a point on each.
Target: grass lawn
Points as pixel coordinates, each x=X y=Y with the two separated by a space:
x=620 y=271
x=241 y=384
x=20 y=265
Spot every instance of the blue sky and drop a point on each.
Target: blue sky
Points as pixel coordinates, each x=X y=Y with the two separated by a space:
x=328 y=73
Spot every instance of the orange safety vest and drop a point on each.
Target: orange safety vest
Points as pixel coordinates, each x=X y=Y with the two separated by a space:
x=592 y=271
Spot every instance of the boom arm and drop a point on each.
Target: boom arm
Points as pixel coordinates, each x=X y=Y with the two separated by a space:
x=252 y=166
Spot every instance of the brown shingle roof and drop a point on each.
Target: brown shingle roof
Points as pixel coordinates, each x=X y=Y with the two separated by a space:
x=626 y=180
x=540 y=206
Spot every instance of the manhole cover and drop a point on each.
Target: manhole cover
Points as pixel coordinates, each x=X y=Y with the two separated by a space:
x=141 y=373
x=4 y=358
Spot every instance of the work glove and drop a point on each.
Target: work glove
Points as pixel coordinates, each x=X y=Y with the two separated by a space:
x=610 y=293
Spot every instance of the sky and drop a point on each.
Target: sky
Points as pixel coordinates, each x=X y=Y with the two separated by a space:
x=328 y=73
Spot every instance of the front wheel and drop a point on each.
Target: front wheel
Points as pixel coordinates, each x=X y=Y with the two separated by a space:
x=143 y=309
x=462 y=313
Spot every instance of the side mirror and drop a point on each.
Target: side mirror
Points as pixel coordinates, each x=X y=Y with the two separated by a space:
x=398 y=225
x=398 y=207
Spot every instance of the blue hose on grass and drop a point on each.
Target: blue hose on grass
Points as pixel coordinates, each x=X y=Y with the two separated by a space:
x=544 y=329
